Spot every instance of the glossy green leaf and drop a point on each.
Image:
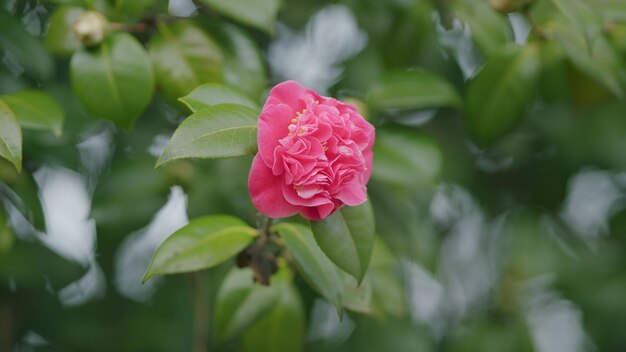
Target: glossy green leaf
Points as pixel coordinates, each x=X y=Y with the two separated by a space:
x=501 y=92
x=6 y=233
x=312 y=263
x=29 y=51
x=211 y=94
x=242 y=302
x=260 y=14
x=407 y=158
x=203 y=243
x=184 y=57
x=36 y=110
x=347 y=237
x=23 y=193
x=490 y=30
x=413 y=90
x=114 y=81
x=282 y=329
x=221 y=131
x=10 y=137
x=61 y=39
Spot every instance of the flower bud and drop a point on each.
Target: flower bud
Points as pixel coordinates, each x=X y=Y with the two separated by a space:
x=91 y=28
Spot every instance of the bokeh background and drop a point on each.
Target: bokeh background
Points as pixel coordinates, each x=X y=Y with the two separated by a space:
x=499 y=184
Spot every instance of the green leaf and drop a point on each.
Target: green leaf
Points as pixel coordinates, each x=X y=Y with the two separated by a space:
x=36 y=110
x=283 y=327
x=61 y=39
x=115 y=80
x=220 y=131
x=490 y=30
x=23 y=193
x=260 y=14
x=6 y=234
x=28 y=50
x=203 y=243
x=211 y=94
x=184 y=57
x=500 y=93
x=241 y=302
x=10 y=137
x=407 y=158
x=413 y=90
x=312 y=263
x=358 y=297
x=347 y=237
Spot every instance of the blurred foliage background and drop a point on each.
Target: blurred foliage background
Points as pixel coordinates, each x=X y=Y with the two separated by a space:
x=499 y=181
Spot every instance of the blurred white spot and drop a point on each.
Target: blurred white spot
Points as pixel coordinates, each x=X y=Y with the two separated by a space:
x=521 y=27
x=426 y=296
x=593 y=196
x=325 y=324
x=95 y=151
x=555 y=323
x=313 y=57
x=158 y=145
x=134 y=254
x=70 y=232
x=459 y=42
x=183 y=8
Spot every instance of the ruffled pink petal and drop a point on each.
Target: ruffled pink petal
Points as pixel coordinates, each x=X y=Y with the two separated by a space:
x=266 y=191
x=368 y=155
x=290 y=93
x=273 y=126
x=353 y=193
x=318 y=213
x=294 y=198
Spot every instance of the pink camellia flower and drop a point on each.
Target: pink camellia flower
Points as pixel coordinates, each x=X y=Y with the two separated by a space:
x=315 y=155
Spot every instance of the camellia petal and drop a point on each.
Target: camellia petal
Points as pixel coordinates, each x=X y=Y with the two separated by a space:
x=315 y=154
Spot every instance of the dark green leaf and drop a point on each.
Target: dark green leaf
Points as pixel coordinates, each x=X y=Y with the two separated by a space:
x=260 y=14
x=6 y=234
x=406 y=158
x=211 y=94
x=241 y=302
x=29 y=51
x=347 y=237
x=23 y=193
x=490 y=30
x=413 y=90
x=184 y=57
x=10 y=137
x=313 y=264
x=36 y=110
x=203 y=243
x=115 y=80
x=61 y=39
x=501 y=92
x=282 y=329
x=221 y=131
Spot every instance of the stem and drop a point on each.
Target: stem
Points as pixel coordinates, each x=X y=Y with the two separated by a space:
x=200 y=282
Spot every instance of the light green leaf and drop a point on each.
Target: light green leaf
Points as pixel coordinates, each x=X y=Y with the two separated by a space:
x=260 y=14
x=211 y=94
x=490 y=30
x=413 y=90
x=358 y=297
x=220 y=131
x=36 y=110
x=282 y=329
x=347 y=237
x=61 y=39
x=10 y=137
x=406 y=158
x=28 y=50
x=312 y=263
x=501 y=92
x=241 y=302
x=184 y=57
x=203 y=243
x=115 y=80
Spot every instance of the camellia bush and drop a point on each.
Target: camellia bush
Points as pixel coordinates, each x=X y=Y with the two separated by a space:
x=354 y=175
